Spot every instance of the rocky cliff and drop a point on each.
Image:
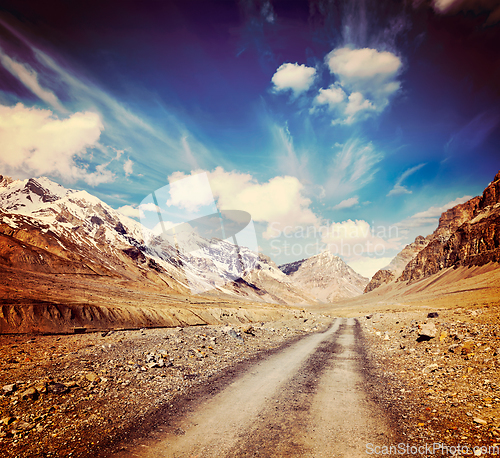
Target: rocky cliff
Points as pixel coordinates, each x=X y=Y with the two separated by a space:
x=475 y=242
x=463 y=237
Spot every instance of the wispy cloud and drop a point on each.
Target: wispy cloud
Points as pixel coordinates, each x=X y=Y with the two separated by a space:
x=352 y=168
x=430 y=216
x=29 y=77
x=399 y=188
x=347 y=203
x=124 y=128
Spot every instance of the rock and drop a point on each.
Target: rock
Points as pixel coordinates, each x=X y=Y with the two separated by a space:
x=30 y=393
x=7 y=420
x=92 y=377
x=427 y=331
x=368 y=317
x=453 y=348
x=41 y=387
x=58 y=388
x=443 y=336
x=430 y=368
x=432 y=315
x=247 y=329
x=152 y=364
x=231 y=332
x=386 y=336
x=9 y=389
x=468 y=348
x=480 y=421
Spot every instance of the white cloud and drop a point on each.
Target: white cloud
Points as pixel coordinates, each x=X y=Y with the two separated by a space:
x=189 y=192
x=398 y=187
x=278 y=202
x=357 y=104
x=351 y=239
x=26 y=75
x=365 y=70
x=295 y=77
x=129 y=210
x=37 y=142
x=431 y=215
x=352 y=168
x=368 y=266
x=128 y=167
x=366 y=78
x=347 y=203
x=333 y=96
x=477 y=6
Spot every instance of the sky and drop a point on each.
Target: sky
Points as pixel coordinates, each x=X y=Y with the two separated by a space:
x=347 y=125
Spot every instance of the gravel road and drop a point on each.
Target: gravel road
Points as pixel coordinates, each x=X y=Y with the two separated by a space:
x=308 y=399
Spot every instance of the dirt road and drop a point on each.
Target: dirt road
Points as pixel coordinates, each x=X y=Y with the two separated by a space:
x=307 y=400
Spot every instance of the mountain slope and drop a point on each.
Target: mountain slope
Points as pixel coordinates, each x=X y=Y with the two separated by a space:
x=467 y=234
x=475 y=242
x=46 y=228
x=326 y=276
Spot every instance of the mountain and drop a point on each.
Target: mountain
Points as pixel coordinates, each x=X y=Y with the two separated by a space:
x=325 y=276
x=398 y=264
x=50 y=230
x=475 y=242
x=467 y=234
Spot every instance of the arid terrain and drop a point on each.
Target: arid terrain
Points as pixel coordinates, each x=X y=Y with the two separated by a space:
x=106 y=393
x=112 y=355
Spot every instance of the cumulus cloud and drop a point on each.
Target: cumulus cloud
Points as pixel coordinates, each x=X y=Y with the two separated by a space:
x=294 y=77
x=36 y=141
x=352 y=239
x=26 y=75
x=189 y=192
x=333 y=96
x=366 y=80
x=399 y=188
x=278 y=202
x=347 y=203
x=431 y=215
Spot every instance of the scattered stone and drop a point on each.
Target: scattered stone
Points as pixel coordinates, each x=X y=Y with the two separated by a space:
x=480 y=421
x=427 y=331
x=468 y=347
x=7 y=420
x=92 y=377
x=58 y=388
x=430 y=368
x=9 y=389
x=247 y=329
x=41 y=387
x=30 y=393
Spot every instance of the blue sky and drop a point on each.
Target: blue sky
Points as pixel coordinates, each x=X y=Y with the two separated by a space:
x=351 y=124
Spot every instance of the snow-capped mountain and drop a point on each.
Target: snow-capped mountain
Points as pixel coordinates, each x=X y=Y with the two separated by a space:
x=47 y=228
x=326 y=276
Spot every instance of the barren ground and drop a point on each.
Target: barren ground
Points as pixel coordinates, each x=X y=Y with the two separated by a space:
x=101 y=394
